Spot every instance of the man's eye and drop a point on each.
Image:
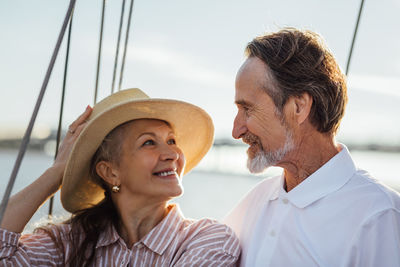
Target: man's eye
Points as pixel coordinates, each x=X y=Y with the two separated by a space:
x=245 y=109
x=171 y=142
x=148 y=143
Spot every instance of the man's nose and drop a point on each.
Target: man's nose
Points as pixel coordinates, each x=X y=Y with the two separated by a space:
x=239 y=127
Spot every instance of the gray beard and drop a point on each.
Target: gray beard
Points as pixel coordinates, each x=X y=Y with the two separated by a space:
x=264 y=159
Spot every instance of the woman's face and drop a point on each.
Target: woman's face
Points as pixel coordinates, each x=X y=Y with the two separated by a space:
x=151 y=163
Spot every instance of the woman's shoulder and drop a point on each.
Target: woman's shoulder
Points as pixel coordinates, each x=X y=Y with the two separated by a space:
x=210 y=233
x=56 y=232
x=208 y=225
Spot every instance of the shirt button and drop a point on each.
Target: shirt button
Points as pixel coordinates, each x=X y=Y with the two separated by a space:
x=122 y=262
x=272 y=233
x=140 y=245
x=285 y=201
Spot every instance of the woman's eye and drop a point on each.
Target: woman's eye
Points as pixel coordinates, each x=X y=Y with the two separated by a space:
x=148 y=143
x=171 y=142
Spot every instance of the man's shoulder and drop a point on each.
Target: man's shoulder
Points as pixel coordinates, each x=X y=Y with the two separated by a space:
x=367 y=189
x=267 y=185
x=261 y=191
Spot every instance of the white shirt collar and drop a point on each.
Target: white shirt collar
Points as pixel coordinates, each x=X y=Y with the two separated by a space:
x=327 y=179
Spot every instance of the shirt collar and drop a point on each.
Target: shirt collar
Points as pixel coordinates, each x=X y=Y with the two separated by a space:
x=107 y=237
x=327 y=179
x=279 y=184
x=162 y=235
x=157 y=239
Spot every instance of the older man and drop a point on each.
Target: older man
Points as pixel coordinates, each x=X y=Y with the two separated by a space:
x=322 y=210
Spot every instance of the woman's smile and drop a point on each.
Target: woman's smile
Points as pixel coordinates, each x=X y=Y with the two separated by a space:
x=167 y=174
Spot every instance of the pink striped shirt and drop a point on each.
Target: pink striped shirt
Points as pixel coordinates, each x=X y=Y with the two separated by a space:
x=175 y=241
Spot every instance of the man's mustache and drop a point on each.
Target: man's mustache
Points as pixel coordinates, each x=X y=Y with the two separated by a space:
x=251 y=139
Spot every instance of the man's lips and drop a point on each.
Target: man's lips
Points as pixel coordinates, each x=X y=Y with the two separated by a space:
x=254 y=144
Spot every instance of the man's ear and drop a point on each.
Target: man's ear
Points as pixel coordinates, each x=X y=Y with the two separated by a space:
x=302 y=105
x=107 y=171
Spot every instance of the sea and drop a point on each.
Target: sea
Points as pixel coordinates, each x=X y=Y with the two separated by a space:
x=211 y=190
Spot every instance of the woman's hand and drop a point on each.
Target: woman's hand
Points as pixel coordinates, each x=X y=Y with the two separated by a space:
x=65 y=148
x=68 y=142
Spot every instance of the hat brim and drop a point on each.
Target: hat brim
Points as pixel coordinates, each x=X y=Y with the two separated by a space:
x=193 y=129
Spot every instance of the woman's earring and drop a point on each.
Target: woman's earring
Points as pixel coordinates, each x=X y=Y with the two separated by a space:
x=116 y=188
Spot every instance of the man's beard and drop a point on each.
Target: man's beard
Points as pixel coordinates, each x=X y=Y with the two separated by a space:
x=264 y=159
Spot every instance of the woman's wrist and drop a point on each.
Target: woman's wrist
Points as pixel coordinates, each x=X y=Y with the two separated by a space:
x=54 y=175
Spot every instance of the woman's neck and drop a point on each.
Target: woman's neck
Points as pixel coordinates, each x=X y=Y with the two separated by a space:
x=138 y=220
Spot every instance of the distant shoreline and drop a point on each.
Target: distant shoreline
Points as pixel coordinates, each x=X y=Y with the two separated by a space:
x=40 y=145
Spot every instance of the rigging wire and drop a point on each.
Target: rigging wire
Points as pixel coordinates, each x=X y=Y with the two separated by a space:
x=354 y=37
x=118 y=42
x=28 y=132
x=121 y=75
x=62 y=102
x=99 y=52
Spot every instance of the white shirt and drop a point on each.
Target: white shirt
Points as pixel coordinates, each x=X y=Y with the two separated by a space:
x=338 y=216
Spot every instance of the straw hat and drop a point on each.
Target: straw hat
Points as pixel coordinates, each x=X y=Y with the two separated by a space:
x=193 y=128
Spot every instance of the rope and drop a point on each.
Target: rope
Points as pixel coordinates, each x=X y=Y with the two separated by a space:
x=99 y=52
x=62 y=103
x=118 y=42
x=27 y=135
x=121 y=76
x=354 y=37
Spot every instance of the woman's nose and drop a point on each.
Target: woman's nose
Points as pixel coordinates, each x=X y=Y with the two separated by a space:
x=169 y=153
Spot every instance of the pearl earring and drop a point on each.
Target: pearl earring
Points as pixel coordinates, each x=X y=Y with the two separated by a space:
x=116 y=188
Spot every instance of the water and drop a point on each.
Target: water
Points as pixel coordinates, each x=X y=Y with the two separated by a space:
x=211 y=190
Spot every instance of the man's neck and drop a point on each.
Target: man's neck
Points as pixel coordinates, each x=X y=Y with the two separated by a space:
x=310 y=154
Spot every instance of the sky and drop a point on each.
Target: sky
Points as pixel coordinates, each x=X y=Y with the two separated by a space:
x=191 y=51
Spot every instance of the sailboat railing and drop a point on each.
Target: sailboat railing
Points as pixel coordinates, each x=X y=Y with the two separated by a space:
x=96 y=88
x=121 y=20
x=121 y=76
x=28 y=132
x=59 y=128
x=354 y=37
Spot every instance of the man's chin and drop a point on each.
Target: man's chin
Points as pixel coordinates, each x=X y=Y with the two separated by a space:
x=256 y=171
x=257 y=163
x=252 y=151
x=259 y=160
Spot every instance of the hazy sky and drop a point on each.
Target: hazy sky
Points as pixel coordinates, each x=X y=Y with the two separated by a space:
x=191 y=50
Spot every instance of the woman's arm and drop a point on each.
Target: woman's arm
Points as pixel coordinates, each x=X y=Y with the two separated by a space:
x=24 y=204
x=37 y=249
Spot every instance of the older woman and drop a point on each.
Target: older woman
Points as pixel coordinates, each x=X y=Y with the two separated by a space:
x=125 y=162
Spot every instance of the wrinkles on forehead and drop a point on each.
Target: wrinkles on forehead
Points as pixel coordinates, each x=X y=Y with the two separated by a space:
x=256 y=72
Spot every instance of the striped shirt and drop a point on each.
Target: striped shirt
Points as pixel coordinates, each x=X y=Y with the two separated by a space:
x=175 y=241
